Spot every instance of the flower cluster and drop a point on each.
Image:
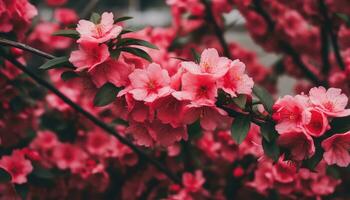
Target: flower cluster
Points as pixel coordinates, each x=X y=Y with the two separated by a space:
x=302 y=117
x=216 y=133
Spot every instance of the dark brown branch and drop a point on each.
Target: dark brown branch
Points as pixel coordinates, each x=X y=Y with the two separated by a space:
x=88 y=115
x=25 y=47
x=333 y=36
x=218 y=31
x=325 y=51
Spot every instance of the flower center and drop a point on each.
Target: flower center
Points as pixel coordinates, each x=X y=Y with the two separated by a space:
x=328 y=105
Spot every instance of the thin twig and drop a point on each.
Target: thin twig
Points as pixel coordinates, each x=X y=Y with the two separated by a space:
x=218 y=32
x=333 y=36
x=325 y=51
x=91 y=117
x=25 y=47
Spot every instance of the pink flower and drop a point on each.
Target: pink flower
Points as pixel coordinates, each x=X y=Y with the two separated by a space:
x=193 y=182
x=337 y=149
x=236 y=81
x=166 y=135
x=210 y=117
x=89 y=56
x=113 y=71
x=55 y=2
x=315 y=123
x=98 y=142
x=301 y=145
x=66 y=16
x=68 y=156
x=284 y=171
x=98 y=33
x=149 y=84
x=330 y=101
x=17 y=166
x=210 y=64
x=45 y=140
x=199 y=88
x=169 y=110
x=288 y=113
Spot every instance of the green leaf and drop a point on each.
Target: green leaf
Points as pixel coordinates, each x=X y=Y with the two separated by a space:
x=340 y=125
x=22 y=190
x=42 y=172
x=114 y=53
x=95 y=18
x=271 y=149
x=67 y=33
x=312 y=162
x=268 y=132
x=5 y=177
x=344 y=17
x=132 y=41
x=68 y=75
x=182 y=59
x=55 y=63
x=137 y=52
x=264 y=96
x=240 y=128
x=121 y=19
x=240 y=101
x=125 y=31
x=196 y=56
x=333 y=171
x=106 y=95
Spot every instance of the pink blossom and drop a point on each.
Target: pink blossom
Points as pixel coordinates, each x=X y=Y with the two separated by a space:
x=193 y=182
x=330 y=101
x=315 y=123
x=169 y=110
x=236 y=81
x=210 y=63
x=288 y=113
x=17 y=166
x=201 y=89
x=166 y=135
x=98 y=142
x=66 y=16
x=98 y=33
x=55 y=2
x=301 y=145
x=284 y=171
x=113 y=71
x=68 y=156
x=337 y=149
x=45 y=140
x=149 y=84
x=89 y=56
x=210 y=117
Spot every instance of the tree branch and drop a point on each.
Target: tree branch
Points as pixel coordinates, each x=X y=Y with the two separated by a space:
x=218 y=32
x=333 y=36
x=25 y=47
x=88 y=115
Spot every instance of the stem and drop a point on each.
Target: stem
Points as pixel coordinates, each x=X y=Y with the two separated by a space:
x=92 y=118
x=287 y=48
x=325 y=51
x=233 y=113
x=25 y=47
x=333 y=36
x=218 y=32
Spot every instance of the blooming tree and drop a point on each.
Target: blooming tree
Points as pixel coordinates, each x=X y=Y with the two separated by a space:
x=91 y=109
